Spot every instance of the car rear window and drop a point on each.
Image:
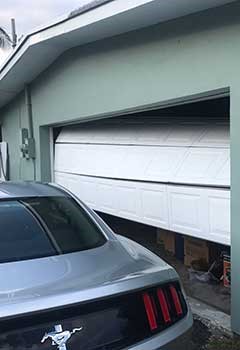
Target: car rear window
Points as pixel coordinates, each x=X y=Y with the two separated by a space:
x=45 y=226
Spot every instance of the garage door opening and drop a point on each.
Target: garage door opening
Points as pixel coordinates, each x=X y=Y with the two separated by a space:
x=211 y=292
x=167 y=168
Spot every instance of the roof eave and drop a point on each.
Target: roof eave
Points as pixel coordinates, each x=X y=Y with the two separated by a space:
x=43 y=46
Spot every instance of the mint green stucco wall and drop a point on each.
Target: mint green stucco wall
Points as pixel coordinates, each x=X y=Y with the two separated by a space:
x=13 y=118
x=171 y=61
x=174 y=60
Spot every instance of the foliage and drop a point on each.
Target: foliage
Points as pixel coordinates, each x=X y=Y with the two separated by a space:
x=4 y=38
x=223 y=344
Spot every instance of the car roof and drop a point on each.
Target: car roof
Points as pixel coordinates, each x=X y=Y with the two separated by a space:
x=10 y=189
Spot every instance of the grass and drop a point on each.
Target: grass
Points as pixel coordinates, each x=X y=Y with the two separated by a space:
x=223 y=344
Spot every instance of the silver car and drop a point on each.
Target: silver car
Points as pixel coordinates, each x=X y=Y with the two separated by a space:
x=69 y=283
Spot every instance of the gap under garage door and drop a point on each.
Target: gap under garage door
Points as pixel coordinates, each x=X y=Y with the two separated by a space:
x=172 y=173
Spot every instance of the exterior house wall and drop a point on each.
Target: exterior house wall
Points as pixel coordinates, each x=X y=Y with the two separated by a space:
x=184 y=57
x=195 y=55
x=13 y=118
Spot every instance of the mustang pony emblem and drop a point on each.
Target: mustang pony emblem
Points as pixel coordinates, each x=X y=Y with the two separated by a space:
x=60 y=337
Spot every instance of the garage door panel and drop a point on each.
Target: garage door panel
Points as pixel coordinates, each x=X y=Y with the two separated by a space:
x=161 y=164
x=185 y=210
x=223 y=175
x=127 y=200
x=61 y=154
x=184 y=135
x=165 y=132
x=215 y=136
x=205 y=166
x=159 y=173
x=61 y=179
x=219 y=225
x=198 y=212
x=155 y=135
x=105 y=196
x=154 y=205
x=84 y=189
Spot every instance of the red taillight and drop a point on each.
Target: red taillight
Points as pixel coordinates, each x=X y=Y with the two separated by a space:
x=150 y=311
x=154 y=305
x=163 y=305
x=176 y=301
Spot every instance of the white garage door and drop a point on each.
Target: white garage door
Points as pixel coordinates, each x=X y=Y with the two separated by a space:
x=169 y=174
